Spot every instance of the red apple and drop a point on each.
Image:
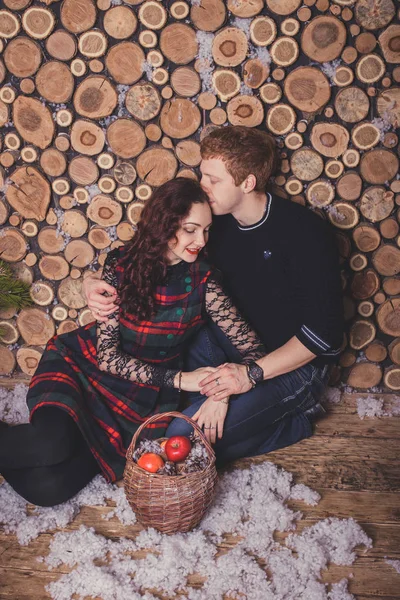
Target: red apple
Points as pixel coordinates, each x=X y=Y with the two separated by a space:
x=177 y=448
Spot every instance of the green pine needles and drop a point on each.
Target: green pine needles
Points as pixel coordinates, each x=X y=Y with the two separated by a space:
x=13 y=292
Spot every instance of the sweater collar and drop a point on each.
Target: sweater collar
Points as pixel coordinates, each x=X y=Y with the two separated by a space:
x=263 y=218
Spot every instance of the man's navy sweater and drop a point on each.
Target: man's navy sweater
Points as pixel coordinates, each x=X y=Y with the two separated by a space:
x=283 y=274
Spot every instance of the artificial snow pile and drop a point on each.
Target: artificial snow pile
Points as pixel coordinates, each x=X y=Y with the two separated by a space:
x=377 y=407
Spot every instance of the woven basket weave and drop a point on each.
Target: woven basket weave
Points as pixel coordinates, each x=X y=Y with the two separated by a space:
x=169 y=503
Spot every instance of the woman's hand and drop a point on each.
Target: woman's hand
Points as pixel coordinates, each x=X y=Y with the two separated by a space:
x=211 y=417
x=190 y=380
x=101 y=306
x=226 y=380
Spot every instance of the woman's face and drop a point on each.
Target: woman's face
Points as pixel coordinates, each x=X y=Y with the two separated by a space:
x=191 y=236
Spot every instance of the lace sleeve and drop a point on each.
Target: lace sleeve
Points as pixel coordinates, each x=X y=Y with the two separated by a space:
x=224 y=313
x=110 y=358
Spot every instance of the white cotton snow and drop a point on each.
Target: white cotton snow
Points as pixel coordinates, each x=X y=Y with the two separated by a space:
x=205 y=41
x=394 y=563
x=13 y=408
x=370 y=406
x=332 y=395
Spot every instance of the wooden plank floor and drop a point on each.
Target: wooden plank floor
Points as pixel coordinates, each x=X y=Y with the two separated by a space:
x=352 y=463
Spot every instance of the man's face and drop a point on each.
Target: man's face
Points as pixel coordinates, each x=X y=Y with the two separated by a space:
x=223 y=194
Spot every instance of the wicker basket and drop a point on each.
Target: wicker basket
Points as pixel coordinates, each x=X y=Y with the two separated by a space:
x=169 y=503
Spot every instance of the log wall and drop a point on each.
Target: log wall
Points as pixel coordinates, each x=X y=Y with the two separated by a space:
x=101 y=102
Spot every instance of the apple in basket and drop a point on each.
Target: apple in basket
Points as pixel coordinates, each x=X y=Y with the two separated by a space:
x=150 y=462
x=177 y=448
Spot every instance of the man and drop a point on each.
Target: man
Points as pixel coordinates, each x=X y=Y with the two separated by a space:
x=279 y=264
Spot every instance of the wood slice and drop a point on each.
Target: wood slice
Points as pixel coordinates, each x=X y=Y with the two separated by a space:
x=22 y=56
x=323 y=39
x=62 y=142
x=9 y=333
x=229 y=47
x=329 y=139
x=41 y=293
x=388 y=105
x=283 y=7
x=54 y=81
x=226 y=83
x=29 y=154
x=160 y=77
x=365 y=136
x=386 y=260
x=148 y=39
x=105 y=161
x=245 y=110
x=152 y=14
x=71 y=293
x=126 y=138
x=284 y=51
x=366 y=237
x=107 y=184
x=255 y=72
x=352 y=104
x=95 y=97
x=374 y=14
x=74 y=223
x=87 y=137
x=343 y=76
x=394 y=351
x=104 y=211
x=61 y=45
x=99 y=237
x=180 y=118
x=376 y=352
x=280 y=119
x=370 y=68
x=391 y=378
x=30 y=228
x=343 y=215
x=23 y=272
x=307 y=89
x=389 y=228
x=78 y=15
x=38 y=22
x=53 y=267
x=379 y=166
x=366 y=308
x=262 y=31
x=134 y=211
x=207 y=100
x=33 y=121
x=143 y=101
x=388 y=317
x=320 y=193
x=66 y=326
x=29 y=193
x=83 y=170
x=389 y=43
x=178 y=43
x=124 y=194
x=35 y=326
x=208 y=15
x=156 y=166
x=9 y=24
x=85 y=317
x=188 y=152
x=7 y=361
x=124 y=62
x=78 y=67
x=79 y=253
x=245 y=8
x=50 y=240
x=188 y=173
x=185 y=82
x=334 y=168
x=120 y=22
x=347 y=359
x=93 y=43
x=362 y=333
x=124 y=173
x=365 y=284
x=53 y=162
x=306 y=164
x=4 y=114
x=364 y=376
x=28 y=359
x=349 y=186
x=376 y=204
x=2 y=71
x=51 y=217
x=3 y=212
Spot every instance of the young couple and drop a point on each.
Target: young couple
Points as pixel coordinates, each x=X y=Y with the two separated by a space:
x=167 y=309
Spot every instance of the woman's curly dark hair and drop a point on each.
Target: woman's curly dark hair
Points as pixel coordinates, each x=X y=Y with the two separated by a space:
x=145 y=262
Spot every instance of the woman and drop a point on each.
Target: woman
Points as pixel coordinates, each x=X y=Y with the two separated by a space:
x=96 y=385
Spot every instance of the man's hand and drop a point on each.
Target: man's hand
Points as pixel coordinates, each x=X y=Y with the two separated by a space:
x=101 y=306
x=211 y=416
x=191 y=379
x=228 y=379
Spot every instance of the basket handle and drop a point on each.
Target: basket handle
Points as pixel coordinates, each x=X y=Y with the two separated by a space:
x=162 y=416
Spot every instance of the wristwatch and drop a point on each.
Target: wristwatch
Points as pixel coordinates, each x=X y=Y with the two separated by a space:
x=254 y=373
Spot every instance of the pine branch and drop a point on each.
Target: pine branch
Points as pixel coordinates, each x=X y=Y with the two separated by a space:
x=14 y=293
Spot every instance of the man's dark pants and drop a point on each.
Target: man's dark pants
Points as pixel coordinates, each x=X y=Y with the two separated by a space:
x=268 y=417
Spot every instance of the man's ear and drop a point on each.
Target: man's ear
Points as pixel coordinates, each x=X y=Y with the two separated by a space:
x=249 y=184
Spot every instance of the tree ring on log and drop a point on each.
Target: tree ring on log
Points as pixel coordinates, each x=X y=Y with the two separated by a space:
x=107 y=184
x=179 y=10
x=334 y=168
x=87 y=137
x=124 y=62
x=283 y=8
x=226 y=83
x=307 y=89
x=156 y=166
x=389 y=43
x=50 y=240
x=245 y=110
x=320 y=193
x=93 y=43
x=329 y=139
x=124 y=194
x=352 y=104
x=343 y=215
x=365 y=135
x=351 y=157
x=306 y=164
x=126 y=138
x=54 y=81
x=124 y=173
x=120 y=22
x=280 y=119
x=391 y=378
x=343 y=76
x=143 y=101
x=379 y=166
x=9 y=24
x=143 y=191
x=53 y=162
x=61 y=45
x=270 y=93
x=262 y=31
x=30 y=194
x=38 y=22
x=323 y=39
x=290 y=26
x=54 y=267
x=185 y=82
x=148 y=39
x=362 y=333
x=386 y=260
x=376 y=204
x=370 y=68
x=78 y=67
x=388 y=317
x=208 y=15
x=230 y=47
x=22 y=56
x=180 y=118
x=374 y=14
x=284 y=51
x=83 y=170
x=152 y=15
x=104 y=211
x=95 y=97
x=134 y=211
x=64 y=117
x=364 y=376
x=78 y=15
x=178 y=43
x=388 y=106
x=12 y=245
x=255 y=72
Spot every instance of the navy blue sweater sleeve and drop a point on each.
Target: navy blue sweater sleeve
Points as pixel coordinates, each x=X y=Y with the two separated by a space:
x=315 y=273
